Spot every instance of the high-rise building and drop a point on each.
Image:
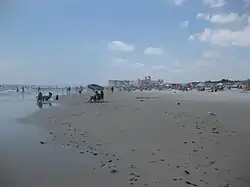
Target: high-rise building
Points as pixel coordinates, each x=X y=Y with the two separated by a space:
x=139 y=82
x=149 y=79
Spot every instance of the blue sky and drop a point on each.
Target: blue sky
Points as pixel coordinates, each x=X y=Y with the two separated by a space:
x=86 y=41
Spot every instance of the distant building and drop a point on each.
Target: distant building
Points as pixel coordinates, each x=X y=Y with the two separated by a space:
x=149 y=79
x=246 y=84
x=139 y=82
x=118 y=83
x=146 y=82
x=156 y=82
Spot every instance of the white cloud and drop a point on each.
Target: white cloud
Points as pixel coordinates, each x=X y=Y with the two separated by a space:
x=138 y=65
x=215 y=3
x=153 y=51
x=225 y=37
x=121 y=62
x=121 y=46
x=226 y=18
x=179 y=2
x=160 y=68
x=118 y=61
x=219 y=18
x=203 y=16
x=192 y=37
x=184 y=24
x=210 y=55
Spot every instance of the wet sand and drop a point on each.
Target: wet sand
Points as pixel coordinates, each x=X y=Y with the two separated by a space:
x=147 y=139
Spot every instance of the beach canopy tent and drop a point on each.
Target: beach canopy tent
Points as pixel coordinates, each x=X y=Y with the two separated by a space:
x=219 y=84
x=95 y=87
x=246 y=81
x=200 y=85
x=168 y=85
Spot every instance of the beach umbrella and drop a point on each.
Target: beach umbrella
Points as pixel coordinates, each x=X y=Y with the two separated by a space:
x=219 y=84
x=200 y=85
x=246 y=81
x=95 y=87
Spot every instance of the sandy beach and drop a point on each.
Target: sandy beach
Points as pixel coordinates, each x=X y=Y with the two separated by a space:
x=147 y=139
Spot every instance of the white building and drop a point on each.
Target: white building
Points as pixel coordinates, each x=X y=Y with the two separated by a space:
x=118 y=83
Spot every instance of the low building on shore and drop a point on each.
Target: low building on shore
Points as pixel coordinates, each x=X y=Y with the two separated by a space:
x=118 y=83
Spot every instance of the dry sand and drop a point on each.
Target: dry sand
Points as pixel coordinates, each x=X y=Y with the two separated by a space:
x=154 y=141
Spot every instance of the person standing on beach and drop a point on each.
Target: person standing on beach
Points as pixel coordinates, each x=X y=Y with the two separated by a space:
x=77 y=89
x=40 y=97
x=38 y=89
x=80 y=90
x=68 y=90
x=112 y=89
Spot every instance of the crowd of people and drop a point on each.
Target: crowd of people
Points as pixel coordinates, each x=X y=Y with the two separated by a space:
x=42 y=97
x=98 y=96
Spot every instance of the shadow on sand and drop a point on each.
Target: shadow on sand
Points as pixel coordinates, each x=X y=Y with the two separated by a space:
x=41 y=104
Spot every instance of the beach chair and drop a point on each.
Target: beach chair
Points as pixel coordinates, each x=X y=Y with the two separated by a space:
x=47 y=97
x=99 y=98
x=96 y=98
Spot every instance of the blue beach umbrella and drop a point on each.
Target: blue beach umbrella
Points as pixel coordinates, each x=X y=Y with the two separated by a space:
x=95 y=87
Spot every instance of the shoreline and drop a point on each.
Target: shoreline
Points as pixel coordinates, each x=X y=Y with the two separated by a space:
x=161 y=143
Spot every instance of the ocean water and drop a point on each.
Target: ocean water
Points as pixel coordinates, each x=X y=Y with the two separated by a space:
x=23 y=160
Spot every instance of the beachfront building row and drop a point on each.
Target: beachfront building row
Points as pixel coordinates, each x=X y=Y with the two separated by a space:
x=118 y=83
x=146 y=82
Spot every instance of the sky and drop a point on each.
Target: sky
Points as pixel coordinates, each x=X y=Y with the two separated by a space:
x=92 y=41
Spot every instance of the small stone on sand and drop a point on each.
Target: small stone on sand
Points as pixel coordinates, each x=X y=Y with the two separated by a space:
x=131 y=166
x=190 y=183
x=187 y=172
x=114 y=171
